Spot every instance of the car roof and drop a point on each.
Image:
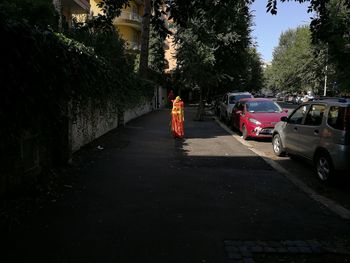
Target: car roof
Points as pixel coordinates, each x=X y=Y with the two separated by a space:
x=332 y=101
x=238 y=93
x=254 y=99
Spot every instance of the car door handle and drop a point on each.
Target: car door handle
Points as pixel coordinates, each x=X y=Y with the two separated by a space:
x=316 y=132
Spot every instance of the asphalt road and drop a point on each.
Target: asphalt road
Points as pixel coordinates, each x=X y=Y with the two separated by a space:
x=147 y=197
x=339 y=191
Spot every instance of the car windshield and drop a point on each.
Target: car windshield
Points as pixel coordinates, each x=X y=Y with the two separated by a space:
x=235 y=98
x=263 y=106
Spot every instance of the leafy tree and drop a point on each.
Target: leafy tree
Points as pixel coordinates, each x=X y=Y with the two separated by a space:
x=255 y=77
x=195 y=62
x=214 y=46
x=296 y=66
x=334 y=32
x=39 y=13
x=156 y=52
x=330 y=27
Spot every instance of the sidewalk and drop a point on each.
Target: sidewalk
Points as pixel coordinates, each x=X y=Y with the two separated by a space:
x=149 y=198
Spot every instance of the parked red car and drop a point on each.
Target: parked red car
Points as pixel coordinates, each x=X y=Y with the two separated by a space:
x=256 y=117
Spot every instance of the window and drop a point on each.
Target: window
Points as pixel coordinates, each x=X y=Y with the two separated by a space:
x=263 y=106
x=233 y=99
x=240 y=107
x=339 y=118
x=298 y=115
x=315 y=115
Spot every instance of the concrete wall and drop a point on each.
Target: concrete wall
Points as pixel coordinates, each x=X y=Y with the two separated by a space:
x=90 y=122
x=138 y=111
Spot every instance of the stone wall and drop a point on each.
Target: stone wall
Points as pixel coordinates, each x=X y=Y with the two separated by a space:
x=89 y=122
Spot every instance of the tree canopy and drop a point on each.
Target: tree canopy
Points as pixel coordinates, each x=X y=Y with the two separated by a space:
x=295 y=65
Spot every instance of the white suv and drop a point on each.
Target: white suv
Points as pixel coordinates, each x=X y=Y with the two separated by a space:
x=228 y=102
x=318 y=131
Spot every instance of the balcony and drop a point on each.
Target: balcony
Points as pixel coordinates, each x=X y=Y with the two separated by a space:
x=129 y=19
x=76 y=6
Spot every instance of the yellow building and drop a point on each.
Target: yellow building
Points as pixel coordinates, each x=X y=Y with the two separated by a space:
x=129 y=23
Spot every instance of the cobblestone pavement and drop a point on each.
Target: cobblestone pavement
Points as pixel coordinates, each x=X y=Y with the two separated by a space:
x=239 y=251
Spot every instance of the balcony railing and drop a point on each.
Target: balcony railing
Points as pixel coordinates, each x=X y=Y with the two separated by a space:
x=130 y=16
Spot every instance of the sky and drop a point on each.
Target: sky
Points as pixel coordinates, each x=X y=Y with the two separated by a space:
x=268 y=28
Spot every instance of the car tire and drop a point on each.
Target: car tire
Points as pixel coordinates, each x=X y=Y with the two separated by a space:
x=277 y=146
x=244 y=132
x=324 y=167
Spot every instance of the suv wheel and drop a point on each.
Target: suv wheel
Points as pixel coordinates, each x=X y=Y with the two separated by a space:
x=277 y=147
x=324 y=167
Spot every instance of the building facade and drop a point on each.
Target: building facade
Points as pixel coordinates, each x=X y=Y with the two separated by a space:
x=129 y=23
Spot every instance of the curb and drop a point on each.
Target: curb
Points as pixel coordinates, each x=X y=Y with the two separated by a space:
x=330 y=204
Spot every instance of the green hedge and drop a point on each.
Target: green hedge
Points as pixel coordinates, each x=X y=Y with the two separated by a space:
x=41 y=70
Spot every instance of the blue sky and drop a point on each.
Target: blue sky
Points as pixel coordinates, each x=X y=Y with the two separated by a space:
x=267 y=28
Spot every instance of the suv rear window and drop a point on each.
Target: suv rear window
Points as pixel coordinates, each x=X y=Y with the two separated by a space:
x=339 y=117
x=233 y=99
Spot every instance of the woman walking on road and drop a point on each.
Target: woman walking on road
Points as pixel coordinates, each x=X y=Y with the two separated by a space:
x=177 y=118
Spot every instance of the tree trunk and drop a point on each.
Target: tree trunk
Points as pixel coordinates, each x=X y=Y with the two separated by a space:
x=143 y=66
x=200 y=109
x=58 y=6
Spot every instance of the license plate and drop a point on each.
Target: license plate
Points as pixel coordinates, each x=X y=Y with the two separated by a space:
x=266 y=131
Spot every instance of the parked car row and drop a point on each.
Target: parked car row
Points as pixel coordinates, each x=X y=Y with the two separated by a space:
x=227 y=103
x=295 y=98
x=317 y=130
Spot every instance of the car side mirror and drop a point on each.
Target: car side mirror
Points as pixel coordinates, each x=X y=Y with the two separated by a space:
x=284 y=118
x=286 y=110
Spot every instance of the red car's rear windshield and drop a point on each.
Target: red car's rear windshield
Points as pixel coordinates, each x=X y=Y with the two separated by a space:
x=263 y=106
x=339 y=117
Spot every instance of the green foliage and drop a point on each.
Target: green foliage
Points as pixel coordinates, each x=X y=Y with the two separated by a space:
x=43 y=71
x=157 y=60
x=297 y=64
x=195 y=58
x=330 y=28
x=333 y=30
x=39 y=13
x=255 y=76
x=215 y=45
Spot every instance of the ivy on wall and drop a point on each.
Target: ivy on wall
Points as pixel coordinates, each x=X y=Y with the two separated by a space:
x=43 y=73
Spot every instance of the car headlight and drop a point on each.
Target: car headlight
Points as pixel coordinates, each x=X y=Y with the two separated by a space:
x=256 y=122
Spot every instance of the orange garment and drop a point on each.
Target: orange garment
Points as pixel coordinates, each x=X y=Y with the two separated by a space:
x=177 y=118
